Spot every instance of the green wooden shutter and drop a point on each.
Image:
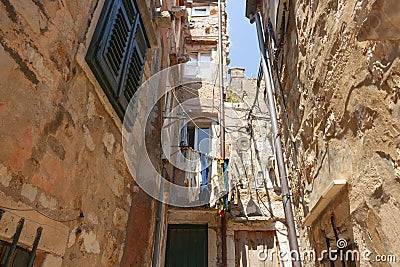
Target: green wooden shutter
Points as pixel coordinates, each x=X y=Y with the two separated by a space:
x=135 y=66
x=117 y=52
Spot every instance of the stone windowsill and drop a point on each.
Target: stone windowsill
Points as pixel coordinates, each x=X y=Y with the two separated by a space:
x=326 y=197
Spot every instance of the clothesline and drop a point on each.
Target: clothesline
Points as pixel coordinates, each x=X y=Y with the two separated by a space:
x=205 y=177
x=200 y=153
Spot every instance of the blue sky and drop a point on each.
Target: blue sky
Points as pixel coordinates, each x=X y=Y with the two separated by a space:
x=244 y=51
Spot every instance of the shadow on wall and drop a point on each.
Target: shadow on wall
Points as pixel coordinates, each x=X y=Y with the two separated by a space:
x=333 y=231
x=382 y=23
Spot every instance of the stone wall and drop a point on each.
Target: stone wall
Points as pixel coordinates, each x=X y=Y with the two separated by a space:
x=342 y=86
x=256 y=201
x=252 y=164
x=61 y=159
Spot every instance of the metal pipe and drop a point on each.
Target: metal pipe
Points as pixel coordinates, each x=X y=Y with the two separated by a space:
x=160 y=207
x=287 y=203
x=293 y=145
x=337 y=239
x=328 y=247
x=221 y=81
x=34 y=246
x=222 y=123
x=14 y=243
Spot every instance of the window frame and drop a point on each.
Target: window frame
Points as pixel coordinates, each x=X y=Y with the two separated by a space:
x=196 y=137
x=192 y=68
x=195 y=11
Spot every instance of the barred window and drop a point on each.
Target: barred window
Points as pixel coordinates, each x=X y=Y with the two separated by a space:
x=117 y=52
x=20 y=257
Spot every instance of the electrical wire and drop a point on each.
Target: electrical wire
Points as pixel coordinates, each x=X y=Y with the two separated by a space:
x=48 y=226
x=251 y=132
x=255 y=99
x=42 y=213
x=290 y=134
x=192 y=120
x=183 y=110
x=189 y=90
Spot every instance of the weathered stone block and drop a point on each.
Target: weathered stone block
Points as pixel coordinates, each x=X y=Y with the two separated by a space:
x=52 y=261
x=165 y=19
x=5 y=176
x=29 y=191
x=120 y=218
x=90 y=244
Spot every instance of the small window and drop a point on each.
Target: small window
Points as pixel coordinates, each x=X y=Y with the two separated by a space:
x=205 y=57
x=117 y=52
x=191 y=67
x=199 y=63
x=201 y=11
x=203 y=140
x=199 y=138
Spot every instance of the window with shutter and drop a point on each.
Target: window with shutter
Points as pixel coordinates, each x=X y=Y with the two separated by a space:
x=117 y=52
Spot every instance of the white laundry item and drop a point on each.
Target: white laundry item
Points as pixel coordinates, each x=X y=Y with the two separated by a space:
x=214 y=194
x=192 y=175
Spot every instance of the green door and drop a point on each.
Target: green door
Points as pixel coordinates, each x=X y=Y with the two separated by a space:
x=186 y=246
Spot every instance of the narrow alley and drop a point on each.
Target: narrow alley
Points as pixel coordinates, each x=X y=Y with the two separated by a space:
x=177 y=133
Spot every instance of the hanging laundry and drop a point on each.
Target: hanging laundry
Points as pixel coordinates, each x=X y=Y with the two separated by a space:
x=205 y=188
x=226 y=182
x=214 y=182
x=204 y=169
x=221 y=178
x=181 y=155
x=192 y=174
x=184 y=139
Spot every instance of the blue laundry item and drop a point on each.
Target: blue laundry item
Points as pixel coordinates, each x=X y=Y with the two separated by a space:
x=227 y=202
x=204 y=189
x=204 y=170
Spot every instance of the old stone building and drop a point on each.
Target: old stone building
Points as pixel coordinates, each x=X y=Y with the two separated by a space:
x=256 y=219
x=85 y=97
x=68 y=70
x=110 y=134
x=337 y=64
x=224 y=230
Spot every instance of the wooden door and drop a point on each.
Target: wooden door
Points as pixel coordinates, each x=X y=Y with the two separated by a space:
x=187 y=246
x=255 y=249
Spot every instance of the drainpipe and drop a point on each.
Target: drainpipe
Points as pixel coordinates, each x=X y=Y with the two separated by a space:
x=160 y=207
x=287 y=203
x=221 y=123
x=160 y=210
x=221 y=81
